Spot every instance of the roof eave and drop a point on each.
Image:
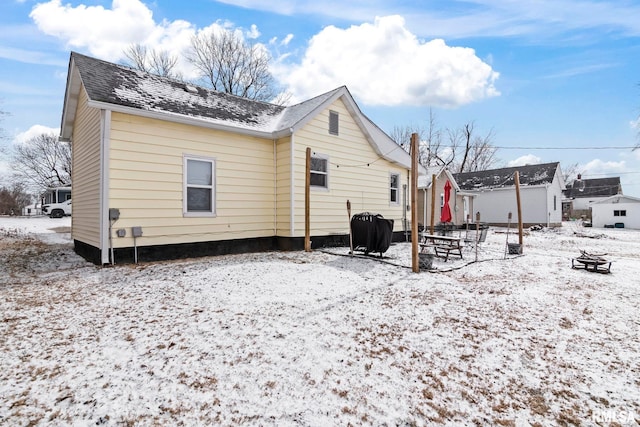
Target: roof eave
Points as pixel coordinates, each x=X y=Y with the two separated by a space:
x=509 y=187
x=367 y=127
x=180 y=118
x=71 y=96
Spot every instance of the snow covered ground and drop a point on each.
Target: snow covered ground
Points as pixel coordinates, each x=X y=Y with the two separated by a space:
x=321 y=338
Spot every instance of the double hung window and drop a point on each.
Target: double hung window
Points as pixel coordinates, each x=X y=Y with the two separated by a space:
x=199 y=186
x=319 y=171
x=394 y=184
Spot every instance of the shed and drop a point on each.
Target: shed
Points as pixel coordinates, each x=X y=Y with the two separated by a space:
x=616 y=211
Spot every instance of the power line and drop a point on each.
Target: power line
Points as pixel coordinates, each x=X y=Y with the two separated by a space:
x=609 y=174
x=569 y=148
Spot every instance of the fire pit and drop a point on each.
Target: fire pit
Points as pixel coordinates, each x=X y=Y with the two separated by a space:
x=595 y=263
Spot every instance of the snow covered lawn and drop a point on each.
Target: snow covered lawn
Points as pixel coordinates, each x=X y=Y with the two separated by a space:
x=294 y=338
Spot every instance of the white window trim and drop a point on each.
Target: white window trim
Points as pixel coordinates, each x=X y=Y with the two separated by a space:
x=319 y=187
x=212 y=160
x=397 y=202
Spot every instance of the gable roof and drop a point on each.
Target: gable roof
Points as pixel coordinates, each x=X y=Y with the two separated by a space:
x=599 y=187
x=618 y=198
x=504 y=178
x=124 y=89
x=425 y=181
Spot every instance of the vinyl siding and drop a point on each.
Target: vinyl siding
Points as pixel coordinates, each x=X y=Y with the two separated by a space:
x=555 y=190
x=283 y=187
x=356 y=173
x=146 y=182
x=494 y=205
x=85 y=220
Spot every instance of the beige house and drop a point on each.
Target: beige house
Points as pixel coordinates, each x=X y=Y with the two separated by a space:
x=460 y=202
x=164 y=169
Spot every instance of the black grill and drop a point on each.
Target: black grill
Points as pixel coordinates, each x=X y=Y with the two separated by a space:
x=371 y=232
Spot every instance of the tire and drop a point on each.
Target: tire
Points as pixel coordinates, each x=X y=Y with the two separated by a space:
x=57 y=213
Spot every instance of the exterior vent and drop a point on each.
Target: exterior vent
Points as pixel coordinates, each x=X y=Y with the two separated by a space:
x=333 y=123
x=190 y=89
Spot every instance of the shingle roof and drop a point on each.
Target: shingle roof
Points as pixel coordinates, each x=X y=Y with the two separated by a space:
x=501 y=178
x=127 y=87
x=134 y=91
x=599 y=187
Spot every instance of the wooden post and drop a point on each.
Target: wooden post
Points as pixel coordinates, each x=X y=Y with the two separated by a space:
x=516 y=178
x=415 y=264
x=307 y=203
x=350 y=231
x=433 y=203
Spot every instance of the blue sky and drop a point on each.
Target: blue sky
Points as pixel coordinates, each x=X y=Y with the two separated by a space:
x=548 y=78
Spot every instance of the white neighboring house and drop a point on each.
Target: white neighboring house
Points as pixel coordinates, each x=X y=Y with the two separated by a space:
x=461 y=203
x=495 y=194
x=581 y=193
x=619 y=209
x=32 y=210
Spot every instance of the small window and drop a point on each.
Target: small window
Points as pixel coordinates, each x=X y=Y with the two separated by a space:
x=555 y=203
x=319 y=171
x=199 y=186
x=334 y=123
x=394 y=183
x=620 y=213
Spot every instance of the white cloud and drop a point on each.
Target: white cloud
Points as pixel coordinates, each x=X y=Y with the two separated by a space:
x=385 y=64
x=107 y=33
x=104 y=32
x=32 y=132
x=539 y=21
x=382 y=63
x=598 y=168
x=287 y=40
x=529 y=159
x=253 y=32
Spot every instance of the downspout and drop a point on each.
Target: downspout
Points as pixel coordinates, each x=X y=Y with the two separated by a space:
x=105 y=224
x=546 y=193
x=404 y=212
x=292 y=227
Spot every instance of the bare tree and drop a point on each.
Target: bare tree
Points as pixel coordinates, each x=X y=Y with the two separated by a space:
x=230 y=64
x=13 y=199
x=475 y=152
x=431 y=149
x=402 y=136
x=569 y=173
x=158 y=62
x=42 y=162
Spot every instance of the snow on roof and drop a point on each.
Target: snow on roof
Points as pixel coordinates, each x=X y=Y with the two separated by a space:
x=132 y=90
x=126 y=87
x=598 y=187
x=500 y=178
x=618 y=198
